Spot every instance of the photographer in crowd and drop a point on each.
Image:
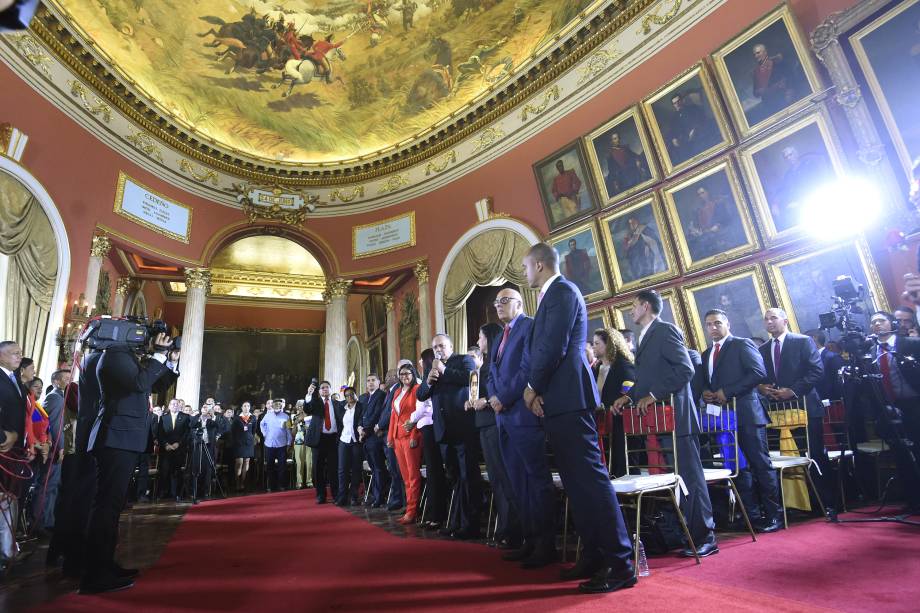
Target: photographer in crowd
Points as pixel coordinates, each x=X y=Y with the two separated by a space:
x=118 y=436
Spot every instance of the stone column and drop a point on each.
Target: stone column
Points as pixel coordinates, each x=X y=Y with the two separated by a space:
x=123 y=289
x=97 y=253
x=335 y=365
x=392 y=335
x=424 y=304
x=197 y=286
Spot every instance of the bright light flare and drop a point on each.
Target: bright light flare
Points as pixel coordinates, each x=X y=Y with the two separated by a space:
x=841 y=209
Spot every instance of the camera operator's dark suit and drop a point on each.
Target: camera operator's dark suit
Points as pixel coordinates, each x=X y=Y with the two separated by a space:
x=901 y=386
x=171 y=461
x=125 y=384
x=325 y=445
x=200 y=462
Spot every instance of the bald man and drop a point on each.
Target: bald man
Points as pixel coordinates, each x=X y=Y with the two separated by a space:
x=521 y=435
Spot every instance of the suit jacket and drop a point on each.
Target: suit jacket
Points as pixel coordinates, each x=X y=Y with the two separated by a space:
x=168 y=434
x=800 y=369
x=54 y=407
x=696 y=383
x=663 y=369
x=448 y=396
x=737 y=372
x=317 y=408
x=209 y=425
x=88 y=399
x=485 y=417
x=621 y=370
x=555 y=358
x=373 y=408
x=339 y=410
x=508 y=376
x=154 y=431
x=829 y=386
x=126 y=385
x=13 y=405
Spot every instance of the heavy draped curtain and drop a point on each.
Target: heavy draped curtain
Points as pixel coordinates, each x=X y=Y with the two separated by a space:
x=491 y=258
x=27 y=238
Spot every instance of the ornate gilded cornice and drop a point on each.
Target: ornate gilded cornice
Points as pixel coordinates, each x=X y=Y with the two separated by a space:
x=421 y=272
x=125 y=285
x=198 y=278
x=101 y=246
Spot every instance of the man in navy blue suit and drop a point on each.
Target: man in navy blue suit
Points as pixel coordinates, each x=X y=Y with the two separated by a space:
x=829 y=387
x=521 y=436
x=373 y=402
x=397 y=495
x=732 y=368
x=561 y=390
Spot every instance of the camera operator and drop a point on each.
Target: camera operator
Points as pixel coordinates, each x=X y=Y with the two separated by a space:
x=203 y=435
x=898 y=359
x=118 y=437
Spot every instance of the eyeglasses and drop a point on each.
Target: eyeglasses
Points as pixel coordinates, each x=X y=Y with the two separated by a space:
x=504 y=300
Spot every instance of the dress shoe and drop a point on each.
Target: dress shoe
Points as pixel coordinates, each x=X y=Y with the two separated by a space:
x=539 y=559
x=608 y=580
x=105 y=584
x=507 y=544
x=583 y=569
x=124 y=573
x=354 y=502
x=377 y=505
x=519 y=555
x=703 y=551
x=766 y=527
x=468 y=534
x=320 y=501
x=407 y=519
x=446 y=531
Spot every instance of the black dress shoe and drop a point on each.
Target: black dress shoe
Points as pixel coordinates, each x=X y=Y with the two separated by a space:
x=105 y=584
x=769 y=526
x=704 y=550
x=354 y=502
x=124 y=573
x=583 y=569
x=445 y=531
x=519 y=555
x=468 y=534
x=507 y=544
x=320 y=501
x=608 y=580
x=539 y=559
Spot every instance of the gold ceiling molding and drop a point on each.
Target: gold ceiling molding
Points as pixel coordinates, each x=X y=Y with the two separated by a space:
x=343 y=195
x=97 y=107
x=551 y=95
x=446 y=160
x=145 y=144
x=57 y=34
x=202 y=175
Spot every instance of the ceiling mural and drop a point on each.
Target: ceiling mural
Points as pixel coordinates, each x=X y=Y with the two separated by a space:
x=311 y=81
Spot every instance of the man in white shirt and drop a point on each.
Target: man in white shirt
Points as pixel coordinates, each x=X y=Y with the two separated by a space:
x=322 y=436
x=351 y=452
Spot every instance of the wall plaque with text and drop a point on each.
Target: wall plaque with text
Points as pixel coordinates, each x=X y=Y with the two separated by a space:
x=383 y=236
x=152 y=210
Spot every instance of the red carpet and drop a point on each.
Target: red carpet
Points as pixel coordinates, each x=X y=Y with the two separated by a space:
x=282 y=552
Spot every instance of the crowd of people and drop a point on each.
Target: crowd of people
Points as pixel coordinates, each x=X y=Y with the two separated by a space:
x=539 y=400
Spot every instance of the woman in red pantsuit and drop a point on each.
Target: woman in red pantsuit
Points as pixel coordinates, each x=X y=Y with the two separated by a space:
x=407 y=444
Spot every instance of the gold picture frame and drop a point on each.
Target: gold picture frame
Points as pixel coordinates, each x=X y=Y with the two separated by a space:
x=802 y=280
x=630 y=130
x=119 y=209
x=680 y=144
x=559 y=212
x=629 y=245
x=598 y=318
x=786 y=54
x=742 y=293
x=891 y=26
x=671 y=312
x=817 y=153
x=585 y=270
x=708 y=229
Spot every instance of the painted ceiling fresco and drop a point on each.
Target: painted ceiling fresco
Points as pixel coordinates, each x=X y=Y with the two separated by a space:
x=323 y=80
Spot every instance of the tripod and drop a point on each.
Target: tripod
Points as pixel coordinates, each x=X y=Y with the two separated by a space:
x=200 y=446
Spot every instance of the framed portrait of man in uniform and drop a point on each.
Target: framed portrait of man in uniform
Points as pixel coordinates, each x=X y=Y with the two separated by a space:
x=565 y=187
x=741 y=293
x=621 y=157
x=767 y=72
x=581 y=260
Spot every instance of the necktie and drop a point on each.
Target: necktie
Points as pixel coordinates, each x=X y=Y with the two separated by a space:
x=15 y=384
x=776 y=360
x=327 y=421
x=885 y=367
x=501 y=346
x=715 y=354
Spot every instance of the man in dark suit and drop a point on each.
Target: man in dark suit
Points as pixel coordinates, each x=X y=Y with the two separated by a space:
x=202 y=441
x=794 y=368
x=322 y=436
x=13 y=405
x=396 y=499
x=901 y=387
x=173 y=438
x=373 y=402
x=54 y=407
x=521 y=436
x=116 y=440
x=350 y=451
x=732 y=369
x=447 y=384
x=561 y=390
x=664 y=371
x=829 y=387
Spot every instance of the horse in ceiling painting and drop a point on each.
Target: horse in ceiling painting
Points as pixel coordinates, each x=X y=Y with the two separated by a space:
x=436 y=82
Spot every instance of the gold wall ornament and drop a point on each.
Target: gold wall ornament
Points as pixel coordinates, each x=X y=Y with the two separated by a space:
x=198 y=278
x=488 y=137
x=275 y=212
x=446 y=160
x=421 y=271
x=660 y=20
x=97 y=107
x=552 y=94
x=337 y=288
x=29 y=48
x=101 y=246
x=125 y=285
x=202 y=176
x=145 y=144
x=342 y=195
x=6 y=136
x=596 y=64
x=394 y=182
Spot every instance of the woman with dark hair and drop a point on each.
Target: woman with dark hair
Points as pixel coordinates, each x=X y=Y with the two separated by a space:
x=615 y=374
x=405 y=439
x=436 y=492
x=243 y=434
x=508 y=531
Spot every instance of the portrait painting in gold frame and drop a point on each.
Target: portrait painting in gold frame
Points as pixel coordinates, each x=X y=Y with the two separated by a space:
x=581 y=260
x=671 y=312
x=621 y=157
x=741 y=293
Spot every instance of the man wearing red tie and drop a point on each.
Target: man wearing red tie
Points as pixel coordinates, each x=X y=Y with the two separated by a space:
x=322 y=436
x=902 y=389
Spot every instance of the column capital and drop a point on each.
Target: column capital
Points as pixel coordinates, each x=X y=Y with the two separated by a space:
x=125 y=285
x=336 y=288
x=389 y=302
x=101 y=246
x=198 y=278
x=421 y=271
